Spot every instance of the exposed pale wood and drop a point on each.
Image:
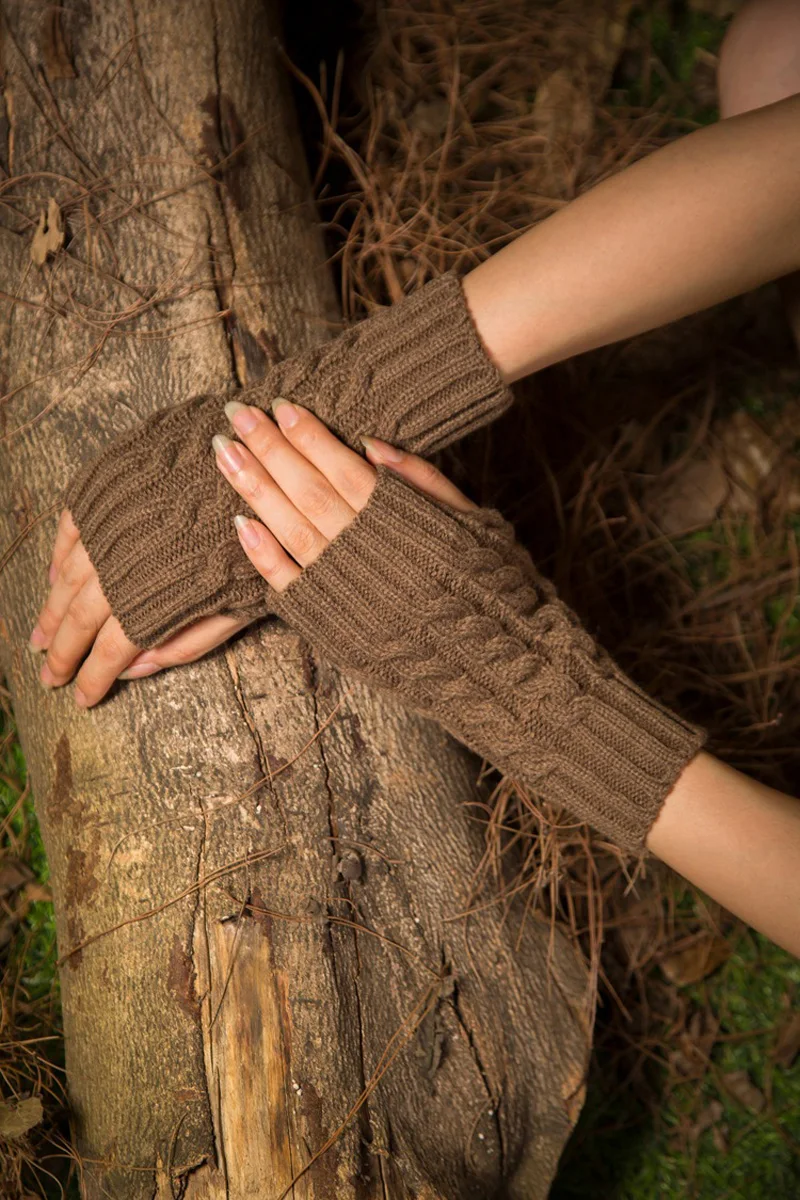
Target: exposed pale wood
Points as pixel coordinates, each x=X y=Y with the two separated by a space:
x=212 y=1048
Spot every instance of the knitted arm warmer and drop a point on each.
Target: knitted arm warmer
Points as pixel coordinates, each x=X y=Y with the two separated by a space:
x=446 y=610
x=154 y=515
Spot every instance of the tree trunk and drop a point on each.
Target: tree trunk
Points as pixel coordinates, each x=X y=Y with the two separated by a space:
x=258 y=868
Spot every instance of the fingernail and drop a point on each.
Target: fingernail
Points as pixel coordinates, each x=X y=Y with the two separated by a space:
x=228 y=451
x=242 y=418
x=52 y=573
x=37 y=638
x=248 y=532
x=47 y=677
x=80 y=699
x=382 y=450
x=285 y=413
x=139 y=670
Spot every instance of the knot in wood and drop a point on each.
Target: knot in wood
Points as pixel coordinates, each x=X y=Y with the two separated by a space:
x=350 y=866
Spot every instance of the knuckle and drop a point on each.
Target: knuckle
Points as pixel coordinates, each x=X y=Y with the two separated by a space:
x=252 y=486
x=82 y=616
x=48 y=622
x=108 y=648
x=71 y=573
x=301 y=539
x=262 y=440
x=427 y=473
x=319 y=500
x=181 y=655
x=357 y=482
x=269 y=567
x=305 y=433
x=59 y=663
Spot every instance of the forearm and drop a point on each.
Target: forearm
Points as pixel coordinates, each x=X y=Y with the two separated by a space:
x=739 y=841
x=703 y=219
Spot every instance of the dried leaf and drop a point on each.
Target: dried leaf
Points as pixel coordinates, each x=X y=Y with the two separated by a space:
x=16 y=1118
x=49 y=236
x=787 y=1044
x=13 y=874
x=696 y=961
x=691 y=498
x=708 y=1117
x=719 y=1139
x=38 y=891
x=742 y=1088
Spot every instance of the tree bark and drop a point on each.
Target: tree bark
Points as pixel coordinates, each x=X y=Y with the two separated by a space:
x=258 y=867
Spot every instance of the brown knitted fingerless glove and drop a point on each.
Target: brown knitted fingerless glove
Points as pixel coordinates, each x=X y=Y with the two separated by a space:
x=154 y=514
x=446 y=610
x=415 y=374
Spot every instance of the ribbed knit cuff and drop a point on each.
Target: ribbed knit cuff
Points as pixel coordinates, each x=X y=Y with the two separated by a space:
x=156 y=518
x=446 y=610
x=431 y=376
x=617 y=759
x=415 y=374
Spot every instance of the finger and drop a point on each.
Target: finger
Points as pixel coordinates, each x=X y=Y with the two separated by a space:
x=266 y=554
x=75 y=570
x=419 y=472
x=66 y=537
x=184 y=647
x=346 y=472
x=109 y=655
x=81 y=623
x=295 y=532
x=309 y=489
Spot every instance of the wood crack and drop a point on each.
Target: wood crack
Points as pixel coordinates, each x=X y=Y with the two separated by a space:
x=250 y=722
x=494 y=1100
x=333 y=828
x=224 y=294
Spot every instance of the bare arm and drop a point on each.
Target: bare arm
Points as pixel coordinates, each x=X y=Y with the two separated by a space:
x=739 y=841
x=705 y=218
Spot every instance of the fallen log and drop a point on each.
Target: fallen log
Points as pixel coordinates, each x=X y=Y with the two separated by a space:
x=259 y=868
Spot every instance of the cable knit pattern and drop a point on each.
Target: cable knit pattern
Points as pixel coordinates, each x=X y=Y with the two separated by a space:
x=415 y=374
x=155 y=515
x=447 y=610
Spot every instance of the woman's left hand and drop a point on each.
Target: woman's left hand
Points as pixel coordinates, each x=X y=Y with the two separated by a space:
x=305 y=487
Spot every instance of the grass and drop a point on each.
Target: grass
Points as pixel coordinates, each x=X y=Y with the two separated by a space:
x=31 y=1042
x=624 y=1149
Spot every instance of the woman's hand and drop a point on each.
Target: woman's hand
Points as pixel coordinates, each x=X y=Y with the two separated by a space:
x=306 y=486
x=77 y=619
x=303 y=483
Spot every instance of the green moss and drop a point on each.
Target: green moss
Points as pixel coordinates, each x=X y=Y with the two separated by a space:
x=32 y=955
x=670 y=35
x=623 y=1151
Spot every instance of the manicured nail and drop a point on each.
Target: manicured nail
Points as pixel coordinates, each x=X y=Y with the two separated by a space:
x=382 y=450
x=80 y=699
x=285 y=413
x=242 y=418
x=139 y=670
x=248 y=532
x=37 y=639
x=52 y=573
x=228 y=451
x=47 y=677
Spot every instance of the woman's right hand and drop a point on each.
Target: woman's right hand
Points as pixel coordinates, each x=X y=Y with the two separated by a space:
x=76 y=621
